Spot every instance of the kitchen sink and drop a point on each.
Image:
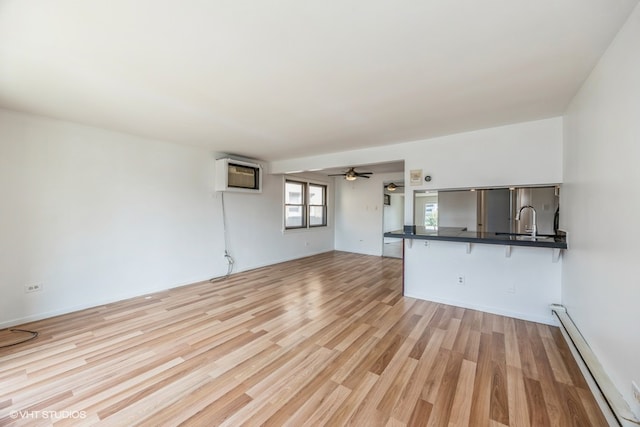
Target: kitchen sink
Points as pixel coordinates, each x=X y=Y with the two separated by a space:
x=534 y=239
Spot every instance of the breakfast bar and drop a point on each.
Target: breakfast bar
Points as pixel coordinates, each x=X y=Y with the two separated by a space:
x=504 y=273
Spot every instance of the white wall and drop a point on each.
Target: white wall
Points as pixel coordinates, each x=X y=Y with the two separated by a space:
x=255 y=225
x=600 y=206
x=521 y=154
x=358 y=214
x=256 y=230
x=96 y=216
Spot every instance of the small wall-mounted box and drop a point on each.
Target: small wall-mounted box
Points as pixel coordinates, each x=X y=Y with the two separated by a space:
x=238 y=175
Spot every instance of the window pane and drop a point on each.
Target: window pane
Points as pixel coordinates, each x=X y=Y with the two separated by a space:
x=316 y=194
x=293 y=216
x=293 y=193
x=316 y=215
x=431 y=216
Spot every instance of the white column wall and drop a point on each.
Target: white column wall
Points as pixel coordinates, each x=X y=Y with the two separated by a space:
x=600 y=204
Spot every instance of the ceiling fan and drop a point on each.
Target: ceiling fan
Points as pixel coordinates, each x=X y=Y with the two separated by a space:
x=392 y=187
x=352 y=175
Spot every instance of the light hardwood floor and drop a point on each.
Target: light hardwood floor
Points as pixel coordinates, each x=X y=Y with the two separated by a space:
x=326 y=340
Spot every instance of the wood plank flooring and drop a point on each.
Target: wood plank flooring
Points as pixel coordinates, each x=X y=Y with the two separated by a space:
x=325 y=340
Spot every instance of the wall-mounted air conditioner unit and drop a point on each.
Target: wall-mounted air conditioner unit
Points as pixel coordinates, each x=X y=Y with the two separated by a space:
x=238 y=175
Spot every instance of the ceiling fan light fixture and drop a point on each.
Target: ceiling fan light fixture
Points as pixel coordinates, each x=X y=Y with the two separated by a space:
x=352 y=175
x=392 y=187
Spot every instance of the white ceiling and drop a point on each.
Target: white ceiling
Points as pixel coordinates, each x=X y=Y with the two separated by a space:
x=275 y=80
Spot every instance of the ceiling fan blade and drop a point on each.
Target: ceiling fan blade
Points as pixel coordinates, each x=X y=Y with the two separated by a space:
x=353 y=173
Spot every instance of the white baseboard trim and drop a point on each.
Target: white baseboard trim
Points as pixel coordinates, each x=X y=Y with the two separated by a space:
x=547 y=320
x=92 y=304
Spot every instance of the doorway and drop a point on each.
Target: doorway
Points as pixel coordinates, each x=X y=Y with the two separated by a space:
x=393 y=217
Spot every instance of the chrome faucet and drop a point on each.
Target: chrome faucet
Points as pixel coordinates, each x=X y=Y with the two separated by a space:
x=534 y=226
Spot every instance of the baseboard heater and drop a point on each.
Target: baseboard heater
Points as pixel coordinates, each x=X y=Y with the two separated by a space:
x=606 y=393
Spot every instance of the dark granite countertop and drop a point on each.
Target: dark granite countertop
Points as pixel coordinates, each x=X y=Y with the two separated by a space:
x=452 y=234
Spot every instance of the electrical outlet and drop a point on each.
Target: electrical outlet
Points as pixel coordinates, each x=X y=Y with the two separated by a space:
x=460 y=280
x=35 y=287
x=636 y=391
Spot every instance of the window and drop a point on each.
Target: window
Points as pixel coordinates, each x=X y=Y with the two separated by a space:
x=294 y=196
x=317 y=205
x=431 y=216
x=305 y=205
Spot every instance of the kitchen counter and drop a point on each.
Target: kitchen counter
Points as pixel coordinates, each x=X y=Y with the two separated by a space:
x=453 y=234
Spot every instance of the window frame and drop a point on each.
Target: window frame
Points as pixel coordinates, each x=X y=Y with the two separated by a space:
x=302 y=205
x=323 y=205
x=306 y=205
